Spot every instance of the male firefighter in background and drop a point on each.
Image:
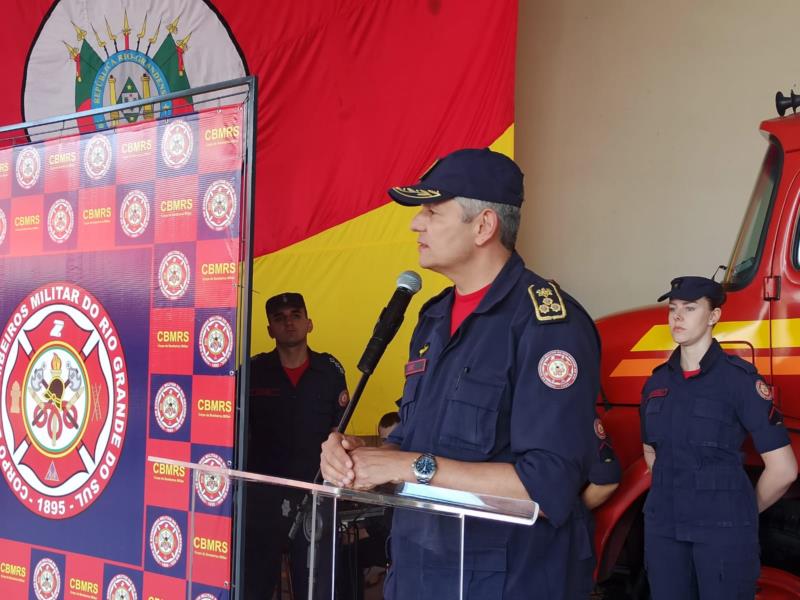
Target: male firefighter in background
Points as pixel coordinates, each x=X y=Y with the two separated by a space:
x=499 y=397
x=297 y=397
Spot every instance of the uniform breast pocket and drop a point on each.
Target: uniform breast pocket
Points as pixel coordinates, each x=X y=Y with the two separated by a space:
x=409 y=401
x=654 y=419
x=471 y=415
x=320 y=416
x=711 y=423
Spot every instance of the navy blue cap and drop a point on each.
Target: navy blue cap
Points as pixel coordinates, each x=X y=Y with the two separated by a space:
x=691 y=287
x=477 y=173
x=285 y=300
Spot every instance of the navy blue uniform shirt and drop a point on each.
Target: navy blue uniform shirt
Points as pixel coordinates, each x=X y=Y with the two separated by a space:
x=516 y=383
x=287 y=423
x=700 y=491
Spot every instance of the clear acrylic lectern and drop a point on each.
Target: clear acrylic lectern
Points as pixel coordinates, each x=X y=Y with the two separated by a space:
x=217 y=490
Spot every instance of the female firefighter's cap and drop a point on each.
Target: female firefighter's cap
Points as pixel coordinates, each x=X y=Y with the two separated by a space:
x=691 y=287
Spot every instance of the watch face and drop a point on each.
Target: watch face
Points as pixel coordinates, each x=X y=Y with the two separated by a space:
x=426 y=466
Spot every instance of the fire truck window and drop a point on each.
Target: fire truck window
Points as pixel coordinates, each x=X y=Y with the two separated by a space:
x=750 y=243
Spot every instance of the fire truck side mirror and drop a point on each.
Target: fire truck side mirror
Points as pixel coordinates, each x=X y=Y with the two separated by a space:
x=782 y=103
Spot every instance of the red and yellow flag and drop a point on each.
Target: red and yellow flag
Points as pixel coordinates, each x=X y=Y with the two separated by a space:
x=354 y=96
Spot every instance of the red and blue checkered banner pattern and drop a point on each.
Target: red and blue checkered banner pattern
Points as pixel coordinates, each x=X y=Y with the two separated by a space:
x=120 y=263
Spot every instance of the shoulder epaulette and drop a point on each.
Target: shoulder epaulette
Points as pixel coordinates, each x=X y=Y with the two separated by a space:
x=738 y=361
x=548 y=305
x=659 y=367
x=332 y=359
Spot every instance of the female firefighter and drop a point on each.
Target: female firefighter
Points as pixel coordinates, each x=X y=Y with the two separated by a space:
x=701 y=515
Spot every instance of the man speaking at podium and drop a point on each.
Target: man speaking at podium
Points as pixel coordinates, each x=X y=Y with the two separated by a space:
x=501 y=380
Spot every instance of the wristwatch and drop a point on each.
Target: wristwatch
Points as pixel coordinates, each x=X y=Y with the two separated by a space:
x=424 y=467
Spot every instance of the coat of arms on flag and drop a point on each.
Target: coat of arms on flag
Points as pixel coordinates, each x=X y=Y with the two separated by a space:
x=113 y=54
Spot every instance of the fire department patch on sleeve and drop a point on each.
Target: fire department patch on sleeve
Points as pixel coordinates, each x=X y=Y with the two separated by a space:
x=344 y=398
x=763 y=389
x=558 y=369
x=599 y=430
x=547 y=303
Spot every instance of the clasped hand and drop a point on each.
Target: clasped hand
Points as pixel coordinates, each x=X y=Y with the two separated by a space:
x=347 y=462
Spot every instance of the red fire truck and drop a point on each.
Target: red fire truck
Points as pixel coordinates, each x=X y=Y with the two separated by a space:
x=761 y=323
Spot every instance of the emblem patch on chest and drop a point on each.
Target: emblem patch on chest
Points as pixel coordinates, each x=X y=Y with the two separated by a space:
x=558 y=369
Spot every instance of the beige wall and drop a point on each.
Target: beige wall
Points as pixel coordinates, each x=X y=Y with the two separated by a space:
x=637 y=130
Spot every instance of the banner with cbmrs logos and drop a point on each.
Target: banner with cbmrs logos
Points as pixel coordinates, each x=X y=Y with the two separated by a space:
x=119 y=267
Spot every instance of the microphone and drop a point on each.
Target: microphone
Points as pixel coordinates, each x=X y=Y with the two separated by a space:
x=389 y=321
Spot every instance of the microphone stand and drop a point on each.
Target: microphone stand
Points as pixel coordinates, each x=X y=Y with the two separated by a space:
x=385 y=330
x=389 y=321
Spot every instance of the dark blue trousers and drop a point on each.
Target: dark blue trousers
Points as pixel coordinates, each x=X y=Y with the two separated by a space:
x=701 y=571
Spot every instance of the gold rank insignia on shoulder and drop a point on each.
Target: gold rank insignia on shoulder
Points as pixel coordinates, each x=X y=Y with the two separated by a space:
x=547 y=303
x=424 y=349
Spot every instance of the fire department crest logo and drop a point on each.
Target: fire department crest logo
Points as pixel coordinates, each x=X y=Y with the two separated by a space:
x=29 y=167
x=46 y=580
x=60 y=221
x=173 y=275
x=134 y=214
x=176 y=144
x=206 y=596
x=63 y=401
x=170 y=407
x=219 y=205
x=763 y=389
x=3 y=226
x=121 y=588
x=97 y=157
x=216 y=341
x=166 y=541
x=599 y=430
x=558 y=369
x=212 y=488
